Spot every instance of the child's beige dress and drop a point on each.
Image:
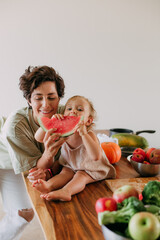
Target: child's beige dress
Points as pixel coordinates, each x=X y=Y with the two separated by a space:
x=77 y=159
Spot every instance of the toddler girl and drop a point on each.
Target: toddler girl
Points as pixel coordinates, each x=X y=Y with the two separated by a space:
x=82 y=157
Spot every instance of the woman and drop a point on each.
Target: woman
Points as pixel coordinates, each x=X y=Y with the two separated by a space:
x=42 y=87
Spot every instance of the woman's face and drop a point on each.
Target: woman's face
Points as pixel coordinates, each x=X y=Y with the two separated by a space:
x=44 y=100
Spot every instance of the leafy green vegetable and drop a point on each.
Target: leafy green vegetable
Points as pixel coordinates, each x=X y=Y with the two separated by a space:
x=151 y=193
x=126 y=210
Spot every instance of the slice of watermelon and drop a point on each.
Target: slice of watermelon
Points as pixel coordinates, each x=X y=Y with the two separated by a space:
x=64 y=126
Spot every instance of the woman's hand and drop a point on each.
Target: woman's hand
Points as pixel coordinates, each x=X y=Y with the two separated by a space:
x=52 y=143
x=37 y=173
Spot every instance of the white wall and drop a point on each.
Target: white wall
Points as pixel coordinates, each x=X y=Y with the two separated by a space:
x=107 y=50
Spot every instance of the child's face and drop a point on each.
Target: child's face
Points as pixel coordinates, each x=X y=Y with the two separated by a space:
x=78 y=107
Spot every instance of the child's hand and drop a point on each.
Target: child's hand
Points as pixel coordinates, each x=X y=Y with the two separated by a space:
x=58 y=116
x=81 y=128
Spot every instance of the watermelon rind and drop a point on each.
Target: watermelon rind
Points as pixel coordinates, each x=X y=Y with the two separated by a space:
x=67 y=134
x=41 y=125
x=71 y=132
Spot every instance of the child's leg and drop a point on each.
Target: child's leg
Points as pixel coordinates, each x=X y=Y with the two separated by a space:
x=55 y=182
x=76 y=185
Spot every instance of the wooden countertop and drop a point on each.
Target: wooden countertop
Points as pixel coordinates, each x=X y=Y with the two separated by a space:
x=76 y=219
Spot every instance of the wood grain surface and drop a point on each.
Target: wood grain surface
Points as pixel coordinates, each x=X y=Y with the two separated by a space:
x=41 y=209
x=76 y=219
x=138 y=183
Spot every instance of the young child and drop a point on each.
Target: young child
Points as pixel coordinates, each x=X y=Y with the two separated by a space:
x=82 y=158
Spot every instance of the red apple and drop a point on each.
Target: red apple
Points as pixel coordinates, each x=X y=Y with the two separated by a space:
x=155 y=156
x=124 y=192
x=139 y=151
x=105 y=204
x=138 y=157
x=149 y=152
x=146 y=162
x=144 y=226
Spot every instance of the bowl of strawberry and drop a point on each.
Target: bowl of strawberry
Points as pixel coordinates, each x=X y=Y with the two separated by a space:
x=146 y=162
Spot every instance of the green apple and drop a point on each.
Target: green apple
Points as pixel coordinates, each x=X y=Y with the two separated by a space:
x=144 y=226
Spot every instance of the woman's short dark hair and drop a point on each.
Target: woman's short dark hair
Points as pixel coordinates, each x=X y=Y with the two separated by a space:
x=34 y=76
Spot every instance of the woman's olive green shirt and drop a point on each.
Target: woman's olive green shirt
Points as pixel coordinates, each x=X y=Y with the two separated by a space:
x=18 y=148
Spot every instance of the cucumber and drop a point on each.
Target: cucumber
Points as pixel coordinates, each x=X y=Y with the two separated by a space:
x=131 y=140
x=152 y=208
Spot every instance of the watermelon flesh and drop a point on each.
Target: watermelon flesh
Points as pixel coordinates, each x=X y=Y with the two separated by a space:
x=64 y=126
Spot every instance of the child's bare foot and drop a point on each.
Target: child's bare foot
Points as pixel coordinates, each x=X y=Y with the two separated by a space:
x=60 y=194
x=41 y=185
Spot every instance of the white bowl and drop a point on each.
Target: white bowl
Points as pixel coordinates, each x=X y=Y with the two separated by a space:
x=110 y=235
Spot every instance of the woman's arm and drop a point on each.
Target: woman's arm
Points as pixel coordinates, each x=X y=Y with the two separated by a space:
x=52 y=142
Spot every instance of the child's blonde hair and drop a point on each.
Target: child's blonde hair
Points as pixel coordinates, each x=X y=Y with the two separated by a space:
x=92 y=110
